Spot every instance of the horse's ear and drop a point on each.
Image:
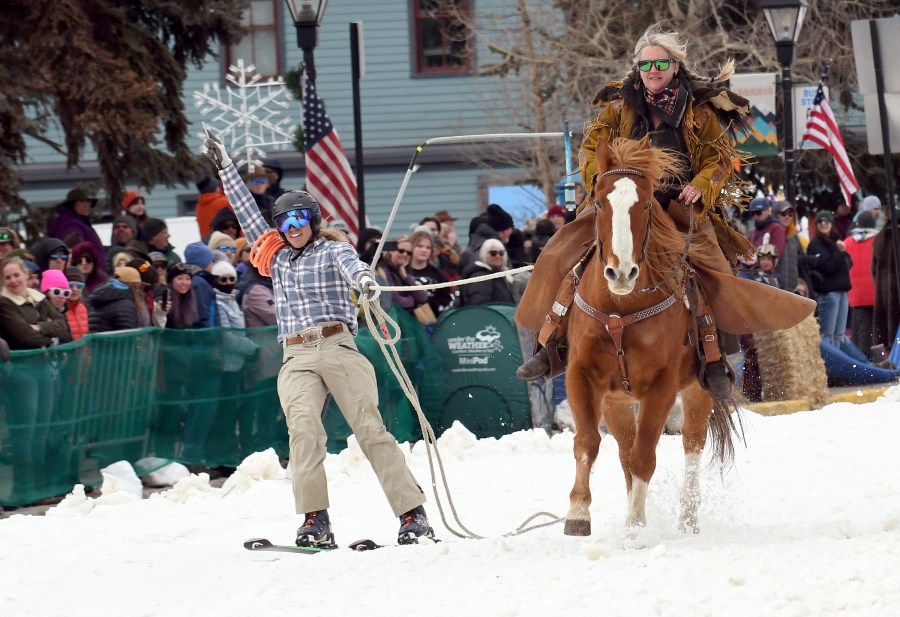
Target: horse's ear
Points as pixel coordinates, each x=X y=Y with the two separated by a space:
x=645 y=142
x=602 y=153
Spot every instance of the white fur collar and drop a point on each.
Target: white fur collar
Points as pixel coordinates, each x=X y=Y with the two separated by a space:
x=34 y=297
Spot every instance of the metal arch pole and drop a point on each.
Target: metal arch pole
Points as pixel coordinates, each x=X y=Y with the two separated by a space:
x=452 y=139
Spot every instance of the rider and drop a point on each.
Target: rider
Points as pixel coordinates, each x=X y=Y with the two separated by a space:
x=662 y=99
x=311 y=274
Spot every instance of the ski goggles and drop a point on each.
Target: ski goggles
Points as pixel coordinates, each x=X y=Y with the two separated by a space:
x=662 y=65
x=292 y=218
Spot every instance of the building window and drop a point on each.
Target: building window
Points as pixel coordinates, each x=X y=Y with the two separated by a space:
x=261 y=46
x=441 y=36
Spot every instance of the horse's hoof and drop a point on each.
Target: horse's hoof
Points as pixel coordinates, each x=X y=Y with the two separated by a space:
x=577 y=528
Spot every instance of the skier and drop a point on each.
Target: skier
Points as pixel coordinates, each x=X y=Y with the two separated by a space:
x=311 y=275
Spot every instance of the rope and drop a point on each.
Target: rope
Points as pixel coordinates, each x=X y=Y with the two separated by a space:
x=375 y=315
x=264 y=249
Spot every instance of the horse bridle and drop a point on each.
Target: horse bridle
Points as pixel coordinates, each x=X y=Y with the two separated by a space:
x=615 y=324
x=648 y=206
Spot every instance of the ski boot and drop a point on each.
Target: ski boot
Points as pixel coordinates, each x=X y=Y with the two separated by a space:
x=414 y=525
x=316 y=531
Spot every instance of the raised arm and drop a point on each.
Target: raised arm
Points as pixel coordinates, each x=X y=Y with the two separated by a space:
x=251 y=221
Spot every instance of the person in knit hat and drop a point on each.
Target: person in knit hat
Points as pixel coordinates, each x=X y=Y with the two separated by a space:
x=872 y=205
x=222 y=246
x=241 y=255
x=55 y=286
x=124 y=230
x=500 y=221
x=135 y=205
x=76 y=309
x=156 y=236
x=556 y=215
x=84 y=256
x=199 y=258
x=209 y=202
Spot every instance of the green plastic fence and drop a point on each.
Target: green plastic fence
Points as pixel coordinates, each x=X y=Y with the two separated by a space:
x=201 y=397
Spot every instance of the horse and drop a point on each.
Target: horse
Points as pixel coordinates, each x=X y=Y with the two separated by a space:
x=630 y=338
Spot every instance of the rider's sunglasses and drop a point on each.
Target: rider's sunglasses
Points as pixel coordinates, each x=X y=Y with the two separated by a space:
x=662 y=65
x=292 y=218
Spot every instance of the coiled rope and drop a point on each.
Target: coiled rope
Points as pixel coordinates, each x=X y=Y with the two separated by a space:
x=381 y=325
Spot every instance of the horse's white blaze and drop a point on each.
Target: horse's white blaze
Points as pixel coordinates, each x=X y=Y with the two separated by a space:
x=621 y=198
x=637 y=502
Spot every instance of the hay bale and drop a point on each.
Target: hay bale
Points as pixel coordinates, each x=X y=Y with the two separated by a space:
x=791 y=366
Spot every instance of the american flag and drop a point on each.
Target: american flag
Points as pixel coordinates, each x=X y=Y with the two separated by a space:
x=822 y=129
x=328 y=175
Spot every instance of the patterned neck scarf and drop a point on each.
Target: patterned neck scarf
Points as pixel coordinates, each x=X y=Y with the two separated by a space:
x=666 y=102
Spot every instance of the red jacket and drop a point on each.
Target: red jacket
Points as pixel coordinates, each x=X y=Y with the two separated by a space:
x=77 y=316
x=859 y=247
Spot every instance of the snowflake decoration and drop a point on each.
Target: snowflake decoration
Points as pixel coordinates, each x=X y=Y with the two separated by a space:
x=249 y=116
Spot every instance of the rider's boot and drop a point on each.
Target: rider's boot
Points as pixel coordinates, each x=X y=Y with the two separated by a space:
x=716 y=374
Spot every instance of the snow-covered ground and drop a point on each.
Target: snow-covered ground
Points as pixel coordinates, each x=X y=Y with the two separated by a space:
x=807 y=522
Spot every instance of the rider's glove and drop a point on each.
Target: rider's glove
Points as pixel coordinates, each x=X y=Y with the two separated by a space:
x=368 y=287
x=215 y=150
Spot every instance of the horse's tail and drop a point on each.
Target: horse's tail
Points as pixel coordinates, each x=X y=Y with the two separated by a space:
x=722 y=428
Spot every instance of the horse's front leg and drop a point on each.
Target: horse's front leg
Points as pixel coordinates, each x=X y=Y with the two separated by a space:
x=653 y=413
x=586 y=413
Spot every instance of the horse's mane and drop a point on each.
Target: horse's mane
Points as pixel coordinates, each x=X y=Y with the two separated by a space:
x=666 y=243
x=659 y=165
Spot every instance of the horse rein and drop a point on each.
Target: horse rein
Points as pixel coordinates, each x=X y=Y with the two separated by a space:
x=615 y=324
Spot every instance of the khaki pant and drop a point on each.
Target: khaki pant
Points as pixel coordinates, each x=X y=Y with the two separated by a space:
x=307 y=376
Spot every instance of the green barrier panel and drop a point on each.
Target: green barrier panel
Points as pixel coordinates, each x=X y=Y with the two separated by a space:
x=69 y=410
x=217 y=400
x=481 y=351
x=424 y=368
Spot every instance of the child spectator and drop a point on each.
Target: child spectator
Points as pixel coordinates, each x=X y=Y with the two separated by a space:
x=55 y=286
x=76 y=309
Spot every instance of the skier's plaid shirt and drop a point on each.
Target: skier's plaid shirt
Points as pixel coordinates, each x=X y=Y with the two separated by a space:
x=311 y=287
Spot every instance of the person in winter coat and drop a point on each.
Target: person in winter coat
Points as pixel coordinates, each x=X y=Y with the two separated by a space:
x=156 y=234
x=225 y=221
x=27 y=321
x=76 y=309
x=9 y=241
x=113 y=306
x=222 y=246
x=831 y=278
x=200 y=259
x=886 y=311
x=135 y=206
x=394 y=270
x=256 y=298
x=861 y=297
x=492 y=258
x=210 y=201
x=50 y=253
x=55 y=286
x=236 y=348
x=792 y=271
x=73 y=224
x=85 y=257
x=424 y=272
x=124 y=231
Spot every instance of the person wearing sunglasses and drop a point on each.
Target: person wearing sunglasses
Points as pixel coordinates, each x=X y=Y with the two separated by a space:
x=85 y=257
x=791 y=271
x=312 y=274
x=394 y=270
x=492 y=257
x=55 y=286
x=257 y=181
x=222 y=246
x=663 y=100
x=76 y=309
x=50 y=254
x=830 y=269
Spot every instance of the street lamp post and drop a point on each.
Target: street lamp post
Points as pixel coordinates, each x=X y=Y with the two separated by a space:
x=785 y=19
x=307 y=16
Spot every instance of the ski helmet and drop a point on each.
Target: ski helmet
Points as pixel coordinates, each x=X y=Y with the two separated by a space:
x=297 y=200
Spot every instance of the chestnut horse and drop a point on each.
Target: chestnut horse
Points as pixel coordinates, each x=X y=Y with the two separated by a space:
x=629 y=338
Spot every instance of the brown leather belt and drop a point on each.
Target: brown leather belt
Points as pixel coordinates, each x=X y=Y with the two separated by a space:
x=313 y=336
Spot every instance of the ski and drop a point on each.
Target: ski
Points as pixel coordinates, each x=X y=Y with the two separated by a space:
x=262 y=544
